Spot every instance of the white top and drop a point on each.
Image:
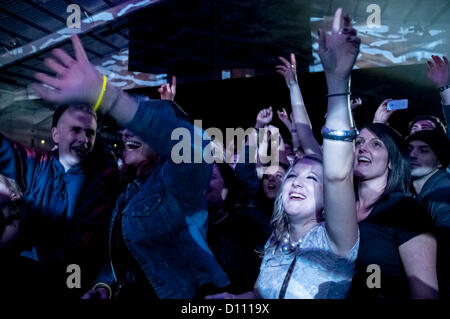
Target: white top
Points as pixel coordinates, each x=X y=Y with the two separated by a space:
x=318 y=273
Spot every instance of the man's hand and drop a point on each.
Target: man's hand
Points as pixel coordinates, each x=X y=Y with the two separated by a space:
x=438 y=71
x=167 y=91
x=264 y=117
x=76 y=80
x=338 y=51
x=288 y=70
x=382 y=114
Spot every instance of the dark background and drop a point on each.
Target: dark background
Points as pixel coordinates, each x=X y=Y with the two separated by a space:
x=197 y=39
x=236 y=102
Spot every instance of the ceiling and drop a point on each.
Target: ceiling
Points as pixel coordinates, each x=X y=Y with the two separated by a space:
x=29 y=29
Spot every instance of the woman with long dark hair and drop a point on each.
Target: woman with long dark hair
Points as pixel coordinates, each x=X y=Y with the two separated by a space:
x=397 y=253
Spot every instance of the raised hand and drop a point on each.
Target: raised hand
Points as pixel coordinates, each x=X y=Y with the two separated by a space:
x=338 y=51
x=288 y=70
x=355 y=102
x=382 y=114
x=76 y=80
x=284 y=117
x=264 y=117
x=167 y=91
x=438 y=71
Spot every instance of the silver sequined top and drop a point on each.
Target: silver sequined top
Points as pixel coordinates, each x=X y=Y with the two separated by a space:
x=318 y=273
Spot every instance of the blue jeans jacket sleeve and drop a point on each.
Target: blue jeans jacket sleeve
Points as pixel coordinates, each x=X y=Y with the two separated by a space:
x=180 y=211
x=17 y=162
x=158 y=125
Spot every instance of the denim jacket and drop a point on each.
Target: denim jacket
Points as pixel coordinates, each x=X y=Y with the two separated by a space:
x=164 y=222
x=66 y=213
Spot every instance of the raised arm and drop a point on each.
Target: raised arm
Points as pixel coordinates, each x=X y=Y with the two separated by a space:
x=289 y=122
x=303 y=126
x=168 y=91
x=418 y=257
x=78 y=81
x=438 y=71
x=338 y=53
x=262 y=140
x=382 y=114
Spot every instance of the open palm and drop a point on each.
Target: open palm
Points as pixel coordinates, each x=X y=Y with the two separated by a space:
x=76 y=80
x=338 y=51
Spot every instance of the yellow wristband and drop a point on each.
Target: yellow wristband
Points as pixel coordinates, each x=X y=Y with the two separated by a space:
x=100 y=97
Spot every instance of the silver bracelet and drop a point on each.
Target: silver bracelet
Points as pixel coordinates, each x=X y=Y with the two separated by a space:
x=339 y=135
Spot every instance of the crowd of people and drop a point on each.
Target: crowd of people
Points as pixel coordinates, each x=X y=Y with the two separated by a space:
x=363 y=215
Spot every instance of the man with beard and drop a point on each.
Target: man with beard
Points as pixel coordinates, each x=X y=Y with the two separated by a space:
x=68 y=196
x=429 y=156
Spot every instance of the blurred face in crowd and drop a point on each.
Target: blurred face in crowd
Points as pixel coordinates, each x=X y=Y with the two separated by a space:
x=216 y=192
x=272 y=178
x=302 y=191
x=422 y=159
x=422 y=125
x=9 y=188
x=75 y=135
x=371 y=157
x=136 y=153
x=9 y=230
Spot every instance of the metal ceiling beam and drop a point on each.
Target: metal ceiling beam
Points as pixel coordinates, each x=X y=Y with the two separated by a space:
x=23 y=20
x=10 y=81
x=18 y=75
x=32 y=68
x=14 y=34
x=26 y=68
x=89 y=13
x=37 y=27
x=87 y=25
x=63 y=21
x=115 y=67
